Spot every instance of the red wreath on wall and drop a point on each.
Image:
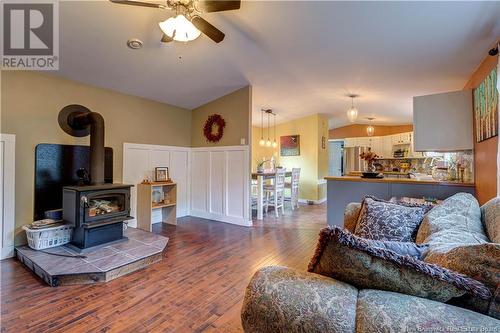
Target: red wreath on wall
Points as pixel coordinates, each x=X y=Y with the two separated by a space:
x=214 y=120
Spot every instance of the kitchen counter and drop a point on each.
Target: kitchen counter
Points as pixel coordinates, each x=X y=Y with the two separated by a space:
x=343 y=190
x=399 y=180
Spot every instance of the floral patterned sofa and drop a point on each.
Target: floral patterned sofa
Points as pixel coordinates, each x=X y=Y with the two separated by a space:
x=280 y=299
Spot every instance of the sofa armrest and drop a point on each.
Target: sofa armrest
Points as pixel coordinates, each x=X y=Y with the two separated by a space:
x=351 y=214
x=279 y=299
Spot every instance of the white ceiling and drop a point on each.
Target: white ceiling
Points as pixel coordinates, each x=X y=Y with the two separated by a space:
x=300 y=57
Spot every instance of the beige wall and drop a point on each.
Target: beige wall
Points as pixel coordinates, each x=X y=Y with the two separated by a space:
x=30 y=105
x=235 y=108
x=313 y=159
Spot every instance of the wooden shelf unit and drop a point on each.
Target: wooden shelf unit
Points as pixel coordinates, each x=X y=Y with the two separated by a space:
x=146 y=204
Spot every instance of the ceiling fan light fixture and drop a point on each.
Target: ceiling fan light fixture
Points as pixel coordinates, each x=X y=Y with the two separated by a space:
x=179 y=28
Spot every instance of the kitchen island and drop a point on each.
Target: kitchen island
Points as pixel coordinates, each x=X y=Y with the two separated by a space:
x=346 y=189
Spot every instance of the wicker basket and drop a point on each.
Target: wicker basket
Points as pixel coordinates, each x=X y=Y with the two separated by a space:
x=48 y=237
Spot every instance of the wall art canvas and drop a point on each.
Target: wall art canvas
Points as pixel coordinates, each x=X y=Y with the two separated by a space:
x=290 y=145
x=486 y=107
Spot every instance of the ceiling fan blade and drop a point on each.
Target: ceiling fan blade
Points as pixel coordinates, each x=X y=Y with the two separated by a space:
x=166 y=39
x=212 y=32
x=139 y=3
x=210 y=6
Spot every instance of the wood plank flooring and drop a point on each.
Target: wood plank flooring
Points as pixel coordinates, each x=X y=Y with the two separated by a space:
x=198 y=287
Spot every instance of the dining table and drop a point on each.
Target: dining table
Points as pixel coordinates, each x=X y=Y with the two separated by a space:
x=261 y=177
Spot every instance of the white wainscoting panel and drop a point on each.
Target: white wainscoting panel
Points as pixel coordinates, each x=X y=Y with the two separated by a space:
x=7 y=194
x=212 y=182
x=199 y=180
x=217 y=181
x=220 y=178
x=139 y=162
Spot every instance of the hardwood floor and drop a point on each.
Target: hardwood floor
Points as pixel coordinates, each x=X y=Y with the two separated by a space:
x=198 y=287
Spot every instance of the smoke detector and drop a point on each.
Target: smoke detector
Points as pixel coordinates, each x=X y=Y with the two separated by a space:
x=134 y=43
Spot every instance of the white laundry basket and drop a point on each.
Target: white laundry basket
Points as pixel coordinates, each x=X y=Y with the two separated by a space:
x=39 y=239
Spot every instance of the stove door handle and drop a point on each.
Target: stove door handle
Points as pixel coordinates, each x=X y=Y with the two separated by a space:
x=85 y=201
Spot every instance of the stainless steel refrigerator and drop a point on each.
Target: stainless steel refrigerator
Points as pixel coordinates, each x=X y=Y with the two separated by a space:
x=352 y=161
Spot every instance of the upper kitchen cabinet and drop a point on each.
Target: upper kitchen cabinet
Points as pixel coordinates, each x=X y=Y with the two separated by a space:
x=443 y=122
x=402 y=138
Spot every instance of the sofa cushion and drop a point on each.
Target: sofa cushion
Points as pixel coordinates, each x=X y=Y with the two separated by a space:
x=481 y=262
x=456 y=221
x=382 y=311
x=348 y=258
x=383 y=220
x=279 y=299
x=490 y=214
x=351 y=215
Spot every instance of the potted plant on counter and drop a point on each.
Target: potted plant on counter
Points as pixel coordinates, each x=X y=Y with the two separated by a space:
x=260 y=165
x=369 y=157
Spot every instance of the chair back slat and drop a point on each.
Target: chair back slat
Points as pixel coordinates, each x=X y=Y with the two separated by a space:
x=295 y=177
x=279 y=182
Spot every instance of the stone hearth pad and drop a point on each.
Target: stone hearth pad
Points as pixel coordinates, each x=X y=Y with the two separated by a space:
x=104 y=264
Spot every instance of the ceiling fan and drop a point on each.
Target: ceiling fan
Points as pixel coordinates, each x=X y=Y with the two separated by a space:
x=187 y=24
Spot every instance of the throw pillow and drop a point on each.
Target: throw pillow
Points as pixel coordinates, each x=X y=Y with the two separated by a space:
x=387 y=221
x=351 y=259
x=490 y=214
x=411 y=249
x=481 y=262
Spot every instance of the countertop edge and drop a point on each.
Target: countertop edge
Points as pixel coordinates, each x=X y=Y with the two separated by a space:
x=410 y=181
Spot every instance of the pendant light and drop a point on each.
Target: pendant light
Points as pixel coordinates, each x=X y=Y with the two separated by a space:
x=268 y=142
x=275 y=144
x=370 y=130
x=352 y=113
x=261 y=141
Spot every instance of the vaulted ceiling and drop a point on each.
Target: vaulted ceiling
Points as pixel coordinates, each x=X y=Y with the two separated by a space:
x=300 y=57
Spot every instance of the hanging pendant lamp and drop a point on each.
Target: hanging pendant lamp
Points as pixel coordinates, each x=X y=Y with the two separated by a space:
x=352 y=112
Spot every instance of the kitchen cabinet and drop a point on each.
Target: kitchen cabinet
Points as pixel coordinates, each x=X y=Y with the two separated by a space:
x=387 y=146
x=349 y=142
x=383 y=146
x=443 y=122
x=363 y=141
x=402 y=138
x=374 y=144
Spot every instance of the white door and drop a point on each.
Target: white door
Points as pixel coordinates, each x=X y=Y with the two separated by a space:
x=335 y=158
x=7 y=194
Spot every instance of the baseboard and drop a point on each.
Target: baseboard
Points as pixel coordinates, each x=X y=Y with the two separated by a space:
x=314 y=202
x=221 y=218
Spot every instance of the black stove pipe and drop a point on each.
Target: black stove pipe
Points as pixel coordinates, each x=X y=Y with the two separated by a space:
x=79 y=121
x=96 y=123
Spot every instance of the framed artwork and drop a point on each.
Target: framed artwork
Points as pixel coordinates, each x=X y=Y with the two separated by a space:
x=161 y=174
x=486 y=107
x=290 y=145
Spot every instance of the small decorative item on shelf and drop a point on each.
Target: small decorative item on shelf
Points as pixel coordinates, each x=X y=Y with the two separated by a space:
x=162 y=174
x=157 y=197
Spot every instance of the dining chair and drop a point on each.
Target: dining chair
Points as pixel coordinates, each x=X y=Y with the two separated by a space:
x=293 y=186
x=275 y=193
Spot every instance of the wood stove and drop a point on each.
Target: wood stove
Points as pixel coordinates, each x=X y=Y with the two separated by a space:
x=96 y=210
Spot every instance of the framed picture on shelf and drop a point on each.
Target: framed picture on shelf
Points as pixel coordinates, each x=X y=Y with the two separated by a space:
x=161 y=174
